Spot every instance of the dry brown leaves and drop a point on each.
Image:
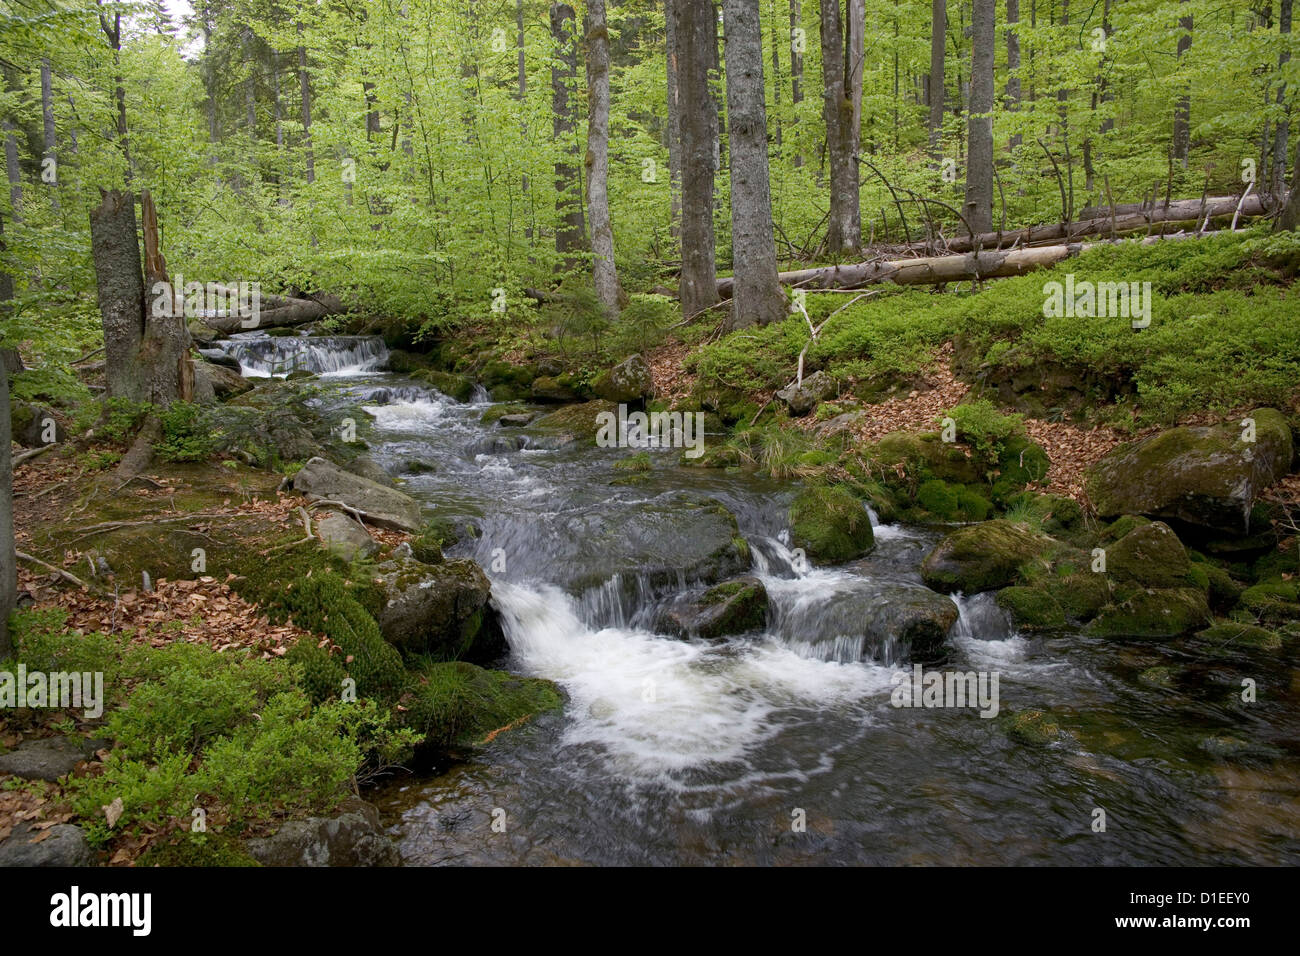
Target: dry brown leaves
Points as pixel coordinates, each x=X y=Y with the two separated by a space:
x=40 y=811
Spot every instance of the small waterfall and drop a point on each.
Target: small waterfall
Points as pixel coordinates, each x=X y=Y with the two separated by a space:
x=979 y=618
x=266 y=356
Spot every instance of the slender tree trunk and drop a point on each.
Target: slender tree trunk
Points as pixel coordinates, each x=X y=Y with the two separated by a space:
x=979 y=160
x=1013 y=62
x=696 y=36
x=757 y=298
x=674 y=120
x=1183 y=108
x=8 y=562
x=604 y=273
x=275 y=100
x=522 y=84
x=1283 y=132
x=719 y=94
x=776 y=75
x=797 y=42
x=855 y=55
x=47 y=122
x=938 y=40
x=844 y=226
x=305 y=88
x=570 y=237
x=1107 y=95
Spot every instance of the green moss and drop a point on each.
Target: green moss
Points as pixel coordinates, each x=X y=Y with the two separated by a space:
x=1273 y=602
x=1242 y=635
x=938 y=498
x=459 y=705
x=1159 y=676
x=638 y=462
x=830 y=524
x=1153 y=615
x=198 y=849
x=1081 y=594
x=1032 y=609
x=459 y=387
x=1034 y=728
x=1122 y=526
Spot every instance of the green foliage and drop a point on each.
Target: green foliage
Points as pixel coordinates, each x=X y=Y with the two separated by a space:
x=456 y=704
x=121 y=419
x=184 y=434
x=986 y=430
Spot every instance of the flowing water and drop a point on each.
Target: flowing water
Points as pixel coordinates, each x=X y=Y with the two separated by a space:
x=784 y=746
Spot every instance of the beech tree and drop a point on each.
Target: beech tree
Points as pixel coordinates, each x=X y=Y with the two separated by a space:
x=699 y=132
x=570 y=237
x=757 y=298
x=604 y=272
x=844 y=229
x=979 y=154
x=8 y=562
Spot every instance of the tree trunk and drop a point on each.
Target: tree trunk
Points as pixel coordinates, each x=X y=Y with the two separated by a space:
x=50 y=138
x=757 y=298
x=855 y=56
x=305 y=89
x=796 y=66
x=844 y=226
x=938 y=39
x=674 y=121
x=8 y=562
x=604 y=272
x=120 y=290
x=1013 y=62
x=696 y=34
x=1183 y=108
x=979 y=158
x=1282 y=135
x=570 y=237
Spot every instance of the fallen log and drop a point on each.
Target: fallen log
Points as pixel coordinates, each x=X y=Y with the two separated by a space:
x=296 y=312
x=1180 y=212
x=933 y=270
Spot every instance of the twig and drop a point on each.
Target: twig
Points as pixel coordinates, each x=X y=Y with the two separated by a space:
x=26 y=455
x=306 y=523
x=1240 y=203
x=355 y=512
x=66 y=575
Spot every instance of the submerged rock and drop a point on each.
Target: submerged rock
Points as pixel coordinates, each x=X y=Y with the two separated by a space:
x=1204 y=476
x=982 y=557
x=384 y=506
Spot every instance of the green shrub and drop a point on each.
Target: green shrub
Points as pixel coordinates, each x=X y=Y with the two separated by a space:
x=185 y=437
x=121 y=419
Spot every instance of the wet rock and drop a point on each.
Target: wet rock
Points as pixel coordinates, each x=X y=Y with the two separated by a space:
x=628 y=381
x=48 y=758
x=1274 y=602
x=1235 y=635
x=516 y=420
x=1150 y=555
x=367 y=467
x=221 y=358
x=63 y=845
x=496 y=445
x=441 y=610
x=580 y=421
x=344 y=538
x=548 y=389
x=982 y=557
x=733 y=607
x=869 y=620
x=1153 y=615
x=804 y=397
x=1034 y=728
x=1204 y=476
x=353 y=837
x=218 y=382
x=383 y=506
x=830 y=525
x=1081 y=595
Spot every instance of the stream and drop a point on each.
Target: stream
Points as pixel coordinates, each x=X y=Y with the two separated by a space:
x=783 y=747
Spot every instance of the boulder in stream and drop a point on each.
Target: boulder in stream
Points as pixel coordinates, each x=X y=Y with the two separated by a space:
x=982 y=557
x=383 y=506
x=1208 y=477
x=441 y=610
x=830 y=524
x=1153 y=615
x=733 y=607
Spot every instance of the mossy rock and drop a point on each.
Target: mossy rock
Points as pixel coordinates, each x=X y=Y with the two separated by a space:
x=1223 y=591
x=459 y=705
x=952 y=502
x=552 y=389
x=459 y=387
x=1241 y=635
x=982 y=557
x=1033 y=728
x=1160 y=676
x=1122 y=526
x=628 y=381
x=1153 y=615
x=497 y=412
x=1224 y=746
x=926 y=455
x=638 y=462
x=733 y=607
x=581 y=421
x=1150 y=555
x=1273 y=602
x=1064 y=515
x=1031 y=609
x=1081 y=595
x=830 y=524
x=714 y=456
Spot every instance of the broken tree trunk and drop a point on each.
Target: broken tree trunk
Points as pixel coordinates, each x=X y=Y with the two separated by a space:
x=292 y=312
x=1182 y=211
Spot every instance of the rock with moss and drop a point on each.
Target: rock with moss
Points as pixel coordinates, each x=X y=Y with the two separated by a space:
x=353 y=837
x=344 y=538
x=1081 y=594
x=628 y=381
x=1153 y=615
x=439 y=610
x=553 y=389
x=1232 y=634
x=714 y=456
x=1150 y=555
x=459 y=387
x=926 y=455
x=639 y=462
x=1031 y=609
x=201 y=850
x=733 y=607
x=803 y=397
x=982 y=557
x=952 y=502
x=383 y=506
x=830 y=524
x=581 y=421
x=457 y=705
x=1275 y=601
x=1204 y=476
x=1033 y=728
